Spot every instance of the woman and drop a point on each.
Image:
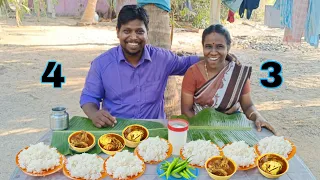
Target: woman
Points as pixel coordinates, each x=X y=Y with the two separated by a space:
x=219 y=82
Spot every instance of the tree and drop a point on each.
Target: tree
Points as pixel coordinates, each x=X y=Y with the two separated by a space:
x=18 y=6
x=159 y=35
x=88 y=15
x=215 y=7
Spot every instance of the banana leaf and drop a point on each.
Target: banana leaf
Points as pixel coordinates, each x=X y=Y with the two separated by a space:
x=60 y=138
x=207 y=124
x=212 y=119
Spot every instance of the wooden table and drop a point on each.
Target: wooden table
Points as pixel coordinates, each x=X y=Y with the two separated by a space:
x=297 y=168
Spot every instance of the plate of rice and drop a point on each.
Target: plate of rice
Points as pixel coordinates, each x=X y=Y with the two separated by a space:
x=153 y=150
x=242 y=154
x=199 y=152
x=84 y=166
x=124 y=165
x=39 y=160
x=276 y=144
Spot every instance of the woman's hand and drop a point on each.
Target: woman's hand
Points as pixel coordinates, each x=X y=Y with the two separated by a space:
x=261 y=122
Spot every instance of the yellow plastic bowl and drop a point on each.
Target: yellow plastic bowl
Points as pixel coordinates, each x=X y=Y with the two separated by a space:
x=120 y=138
x=216 y=177
x=284 y=170
x=130 y=128
x=92 y=142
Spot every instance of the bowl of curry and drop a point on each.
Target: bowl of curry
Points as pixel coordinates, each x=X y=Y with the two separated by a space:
x=81 y=141
x=111 y=143
x=134 y=134
x=220 y=167
x=272 y=165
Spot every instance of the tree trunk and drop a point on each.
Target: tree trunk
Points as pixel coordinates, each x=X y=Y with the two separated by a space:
x=18 y=11
x=18 y=20
x=121 y=3
x=88 y=15
x=159 y=35
x=215 y=8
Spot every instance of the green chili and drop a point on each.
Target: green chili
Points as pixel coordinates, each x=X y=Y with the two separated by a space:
x=191 y=167
x=181 y=168
x=162 y=174
x=171 y=166
x=190 y=173
x=164 y=168
x=186 y=173
x=176 y=175
x=181 y=163
x=183 y=175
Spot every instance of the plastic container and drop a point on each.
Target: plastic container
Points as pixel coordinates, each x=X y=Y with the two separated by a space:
x=177 y=134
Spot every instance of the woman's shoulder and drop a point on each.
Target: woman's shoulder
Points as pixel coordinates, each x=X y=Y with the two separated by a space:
x=195 y=67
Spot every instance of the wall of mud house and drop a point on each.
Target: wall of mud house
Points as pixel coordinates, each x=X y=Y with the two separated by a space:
x=77 y=7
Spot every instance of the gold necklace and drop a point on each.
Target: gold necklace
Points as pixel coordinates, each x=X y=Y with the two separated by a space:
x=205 y=68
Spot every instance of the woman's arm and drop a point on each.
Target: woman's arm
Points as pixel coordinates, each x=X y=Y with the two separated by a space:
x=188 y=90
x=252 y=113
x=187 y=104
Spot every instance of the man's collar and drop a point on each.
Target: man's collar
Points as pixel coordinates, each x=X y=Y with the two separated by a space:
x=145 y=55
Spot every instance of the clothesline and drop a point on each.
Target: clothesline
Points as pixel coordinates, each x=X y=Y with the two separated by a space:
x=300 y=17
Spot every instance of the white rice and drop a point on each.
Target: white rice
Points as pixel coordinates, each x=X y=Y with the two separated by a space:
x=124 y=164
x=200 y=151
x=38 y=158
x=275 y=144
x=241 y=153
x=153 y=149
x=86 y=166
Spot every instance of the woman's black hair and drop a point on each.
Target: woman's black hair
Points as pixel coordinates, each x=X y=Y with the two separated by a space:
x=130 y=13
x=217 y=28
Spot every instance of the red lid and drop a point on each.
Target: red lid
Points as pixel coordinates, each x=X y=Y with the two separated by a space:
x=183 y=125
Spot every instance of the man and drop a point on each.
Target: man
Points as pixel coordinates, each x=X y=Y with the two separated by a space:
x=130 y=79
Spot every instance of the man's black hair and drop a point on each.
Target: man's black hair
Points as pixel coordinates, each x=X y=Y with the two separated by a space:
x=130 y=13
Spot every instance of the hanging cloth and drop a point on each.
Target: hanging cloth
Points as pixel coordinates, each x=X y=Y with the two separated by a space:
x=188 y=5
x=312 y=28
x=248 y=5
x=277 y=4
x=233 y=5
x=299 y=16
x=285 y=7
x=162 y=4
x=230 y=16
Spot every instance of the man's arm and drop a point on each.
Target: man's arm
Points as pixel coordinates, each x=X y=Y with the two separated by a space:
x=93 y=90
x=89 y=109
x=91 y=96
x=178 y=65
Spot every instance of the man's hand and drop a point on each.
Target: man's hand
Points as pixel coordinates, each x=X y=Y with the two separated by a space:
x=102 y=118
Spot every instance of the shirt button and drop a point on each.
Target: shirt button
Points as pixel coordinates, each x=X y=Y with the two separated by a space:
x=138 y=100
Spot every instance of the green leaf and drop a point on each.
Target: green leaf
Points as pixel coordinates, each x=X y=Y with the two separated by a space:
x=2 y=3
x=60 y=139
x=212 y=119
x=79 y=123
x=25 y=8
x=207 y=125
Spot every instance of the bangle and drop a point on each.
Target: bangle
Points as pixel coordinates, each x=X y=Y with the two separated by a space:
x=251 y=114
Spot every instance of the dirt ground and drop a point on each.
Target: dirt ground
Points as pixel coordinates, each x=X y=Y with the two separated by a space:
x=294 y=108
